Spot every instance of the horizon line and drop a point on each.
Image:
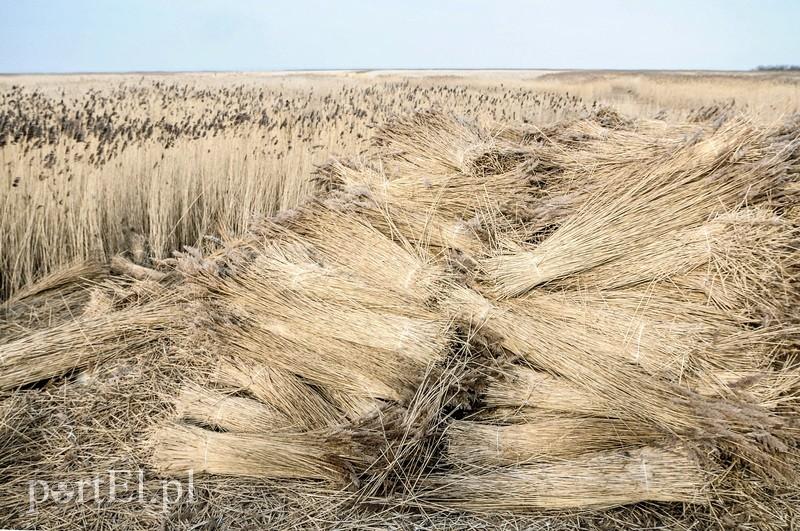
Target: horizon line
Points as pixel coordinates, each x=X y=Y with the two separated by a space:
x=382 y=69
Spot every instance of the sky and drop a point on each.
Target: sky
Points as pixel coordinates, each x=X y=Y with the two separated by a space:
x=251 y=35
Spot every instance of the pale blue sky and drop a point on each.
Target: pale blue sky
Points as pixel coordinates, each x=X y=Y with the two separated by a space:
x=125 y=35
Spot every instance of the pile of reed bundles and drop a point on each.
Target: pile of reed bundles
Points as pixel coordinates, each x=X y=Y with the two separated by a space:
x=588 y=323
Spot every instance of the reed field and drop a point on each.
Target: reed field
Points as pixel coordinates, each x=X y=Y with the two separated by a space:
x=91 y=164
x=377 y=299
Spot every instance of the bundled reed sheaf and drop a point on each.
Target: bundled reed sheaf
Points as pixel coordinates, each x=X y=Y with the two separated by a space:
x=493 y=321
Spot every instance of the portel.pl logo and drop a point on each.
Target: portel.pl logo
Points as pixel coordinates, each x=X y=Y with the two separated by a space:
x=112 y=486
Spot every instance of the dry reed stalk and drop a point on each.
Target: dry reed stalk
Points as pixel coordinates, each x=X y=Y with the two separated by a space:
x=712 y=176
x=294 y=398
x=122 y=266
x=770 y=389
x=595 y=481
x=542 y=438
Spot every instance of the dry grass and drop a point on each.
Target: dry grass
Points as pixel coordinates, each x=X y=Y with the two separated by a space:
x=519 y=324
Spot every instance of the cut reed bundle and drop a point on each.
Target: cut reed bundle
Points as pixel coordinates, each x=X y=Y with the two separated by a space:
x=438 y=191
x=324 y=313
x=522 y=392
x=577 y=159
x=736 y=262
x=232 y=413
x=366 y=353
x=712 y=176
x=625 y=390
x=399 y=207
x=450 y=210
x=523 y=387
x=51 y=300
x=542 y=438
x=428 y=143
x=179 y=449
x=356 y=369
x=293 y=267
x=352 y=245
x=296 y=399
x=83 y=341
x=595 y=481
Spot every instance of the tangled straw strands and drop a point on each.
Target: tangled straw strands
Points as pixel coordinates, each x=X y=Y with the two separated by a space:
x=594 y=481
